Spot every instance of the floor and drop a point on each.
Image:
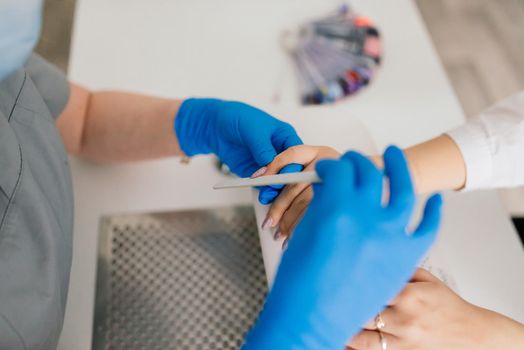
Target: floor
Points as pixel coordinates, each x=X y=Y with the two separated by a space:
x=56 y=33
x=480 y=43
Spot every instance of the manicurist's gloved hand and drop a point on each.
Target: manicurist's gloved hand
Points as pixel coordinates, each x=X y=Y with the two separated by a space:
x=243 y=137
x=348 y=257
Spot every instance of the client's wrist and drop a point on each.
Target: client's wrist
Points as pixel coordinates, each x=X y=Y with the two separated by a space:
x=378 y=161
x=413 y=168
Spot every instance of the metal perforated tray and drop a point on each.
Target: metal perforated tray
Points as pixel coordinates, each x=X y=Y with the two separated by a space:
x=183 y=280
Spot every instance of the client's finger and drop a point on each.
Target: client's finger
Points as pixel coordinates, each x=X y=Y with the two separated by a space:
x=295 y=212
x=294 y=155
x=371 y=340
x=392 y=320
x=284 y=201
x=286 y=198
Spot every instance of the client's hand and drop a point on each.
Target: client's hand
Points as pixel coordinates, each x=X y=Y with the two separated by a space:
x=292 y=202
x=347 y=258
x=428 y=315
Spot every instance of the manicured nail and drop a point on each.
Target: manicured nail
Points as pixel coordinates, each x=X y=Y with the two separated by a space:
x=268 y=222
x=259 y=172
x=284 y=244
x=277 y=235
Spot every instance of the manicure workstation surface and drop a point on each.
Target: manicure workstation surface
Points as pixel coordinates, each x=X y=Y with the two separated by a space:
x=230 y=49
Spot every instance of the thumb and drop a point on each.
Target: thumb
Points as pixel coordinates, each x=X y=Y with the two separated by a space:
x=338 y=176
x=426 y=232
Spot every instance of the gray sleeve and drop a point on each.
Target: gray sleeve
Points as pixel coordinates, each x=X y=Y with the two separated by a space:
x=51 y=83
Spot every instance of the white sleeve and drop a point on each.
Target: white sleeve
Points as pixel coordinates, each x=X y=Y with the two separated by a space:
x=492 y=145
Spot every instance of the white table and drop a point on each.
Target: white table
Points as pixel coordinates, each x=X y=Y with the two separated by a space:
x=229 y=49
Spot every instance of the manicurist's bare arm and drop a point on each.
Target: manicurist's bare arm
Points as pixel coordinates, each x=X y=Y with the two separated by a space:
x=118 y=126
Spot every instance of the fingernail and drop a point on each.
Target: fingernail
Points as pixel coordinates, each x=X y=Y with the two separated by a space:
x=284 y=244
x=277 y=235
x=259 y=172
x=267 y=223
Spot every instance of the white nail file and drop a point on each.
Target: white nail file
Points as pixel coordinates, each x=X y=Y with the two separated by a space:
x=279 y=179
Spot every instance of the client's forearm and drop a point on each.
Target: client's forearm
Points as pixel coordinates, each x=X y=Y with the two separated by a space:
x=435 y=165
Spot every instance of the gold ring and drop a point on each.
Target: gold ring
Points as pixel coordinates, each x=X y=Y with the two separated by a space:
x=383 y=340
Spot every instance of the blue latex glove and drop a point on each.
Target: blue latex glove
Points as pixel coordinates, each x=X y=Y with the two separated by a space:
x=268 y=193
x=347 y=258
x=243 y=137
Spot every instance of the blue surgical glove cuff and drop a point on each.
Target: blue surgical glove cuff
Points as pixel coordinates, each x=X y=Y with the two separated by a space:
x=261 y=338
x=278 y=330
x=193 y=125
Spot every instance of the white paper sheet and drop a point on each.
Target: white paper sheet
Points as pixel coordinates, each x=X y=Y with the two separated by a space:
x=271 y=249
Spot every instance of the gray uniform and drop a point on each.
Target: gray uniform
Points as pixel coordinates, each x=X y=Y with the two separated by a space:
x=36 y=208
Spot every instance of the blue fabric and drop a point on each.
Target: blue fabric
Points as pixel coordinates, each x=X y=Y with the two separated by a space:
x=20 y=22
x=347 y=258
x=243 y=137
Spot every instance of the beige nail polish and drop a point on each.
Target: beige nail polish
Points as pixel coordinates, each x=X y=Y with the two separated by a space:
x=268 y=222
x=259 y=172
x=285 y=243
